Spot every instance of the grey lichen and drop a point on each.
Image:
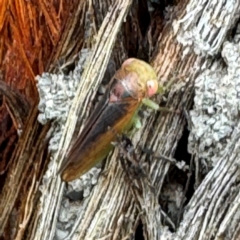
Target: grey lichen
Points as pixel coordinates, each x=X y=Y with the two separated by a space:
x=217 y=106
x=56 y=93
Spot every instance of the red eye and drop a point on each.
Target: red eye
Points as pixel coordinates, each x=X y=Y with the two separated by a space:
x=152 y=87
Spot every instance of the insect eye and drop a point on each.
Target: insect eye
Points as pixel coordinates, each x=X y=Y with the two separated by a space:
x=150 y=84
x=152 y=87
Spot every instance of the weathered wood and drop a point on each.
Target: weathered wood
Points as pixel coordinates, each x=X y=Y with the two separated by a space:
x=115 y=206
x=192 y=52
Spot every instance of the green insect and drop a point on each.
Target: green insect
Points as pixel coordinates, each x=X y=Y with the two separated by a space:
x=131 y=86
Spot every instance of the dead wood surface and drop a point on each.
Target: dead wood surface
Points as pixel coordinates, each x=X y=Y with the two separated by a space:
x=195 y=198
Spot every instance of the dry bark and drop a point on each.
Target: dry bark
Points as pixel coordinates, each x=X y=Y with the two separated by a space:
x=186 y=51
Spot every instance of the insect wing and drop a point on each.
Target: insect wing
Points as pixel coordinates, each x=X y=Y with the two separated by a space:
x=110 y=117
